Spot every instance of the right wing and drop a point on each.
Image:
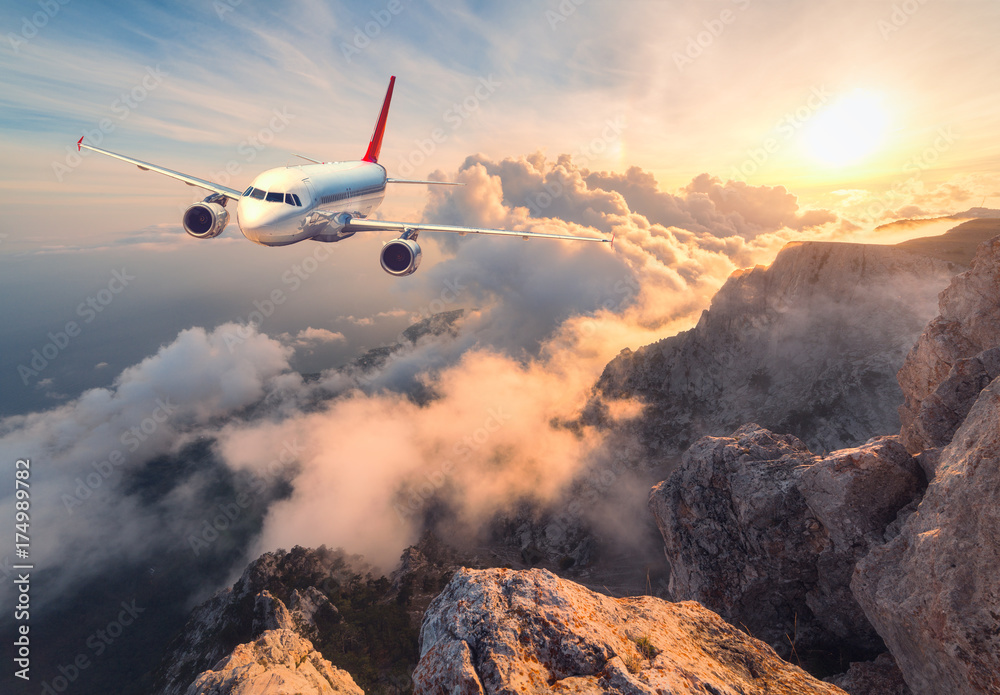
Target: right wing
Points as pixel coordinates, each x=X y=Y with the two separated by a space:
x=189 y=180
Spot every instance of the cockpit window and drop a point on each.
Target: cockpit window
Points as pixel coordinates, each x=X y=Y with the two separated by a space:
x=290 y=199
x=295 y=196
x=257 y=193
x=247 y=191
x=273 y=197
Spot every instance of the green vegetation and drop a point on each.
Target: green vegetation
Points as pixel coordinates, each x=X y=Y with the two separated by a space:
x=646 y=648
x=373 y=639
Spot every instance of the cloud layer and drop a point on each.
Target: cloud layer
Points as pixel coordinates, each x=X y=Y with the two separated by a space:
x=467 y=421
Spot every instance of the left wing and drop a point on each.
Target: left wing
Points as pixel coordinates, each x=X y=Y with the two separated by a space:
x=189 y=180
x=355 y=224
x=434 y=183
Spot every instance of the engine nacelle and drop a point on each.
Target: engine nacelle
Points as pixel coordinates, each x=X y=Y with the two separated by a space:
x=400 y=257
x=205 y=220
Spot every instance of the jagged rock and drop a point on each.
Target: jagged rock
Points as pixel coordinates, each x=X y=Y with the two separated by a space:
x=942 y=412
x=270 y=613
x=879 y=677
x=855 y=494
x=765 y=533
x=310 y=609
x=933 y=592
x=783 y=346
x=253 y=605
x=504 y=631
x=954 y=357
x=279 y=662
x=425 y=569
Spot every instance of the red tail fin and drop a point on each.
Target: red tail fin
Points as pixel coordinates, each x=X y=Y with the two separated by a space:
x=376 y=144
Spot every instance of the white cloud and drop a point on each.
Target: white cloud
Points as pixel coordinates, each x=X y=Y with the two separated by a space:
x=310 y=338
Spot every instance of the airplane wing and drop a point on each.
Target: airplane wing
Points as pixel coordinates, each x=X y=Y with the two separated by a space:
x=363 y=225
x=189 y=180
x=435 y=183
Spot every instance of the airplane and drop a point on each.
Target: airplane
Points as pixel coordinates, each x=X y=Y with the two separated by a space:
x=321 y=201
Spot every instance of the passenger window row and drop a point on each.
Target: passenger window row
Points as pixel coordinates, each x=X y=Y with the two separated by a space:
x=350 y=193
x=273 y=196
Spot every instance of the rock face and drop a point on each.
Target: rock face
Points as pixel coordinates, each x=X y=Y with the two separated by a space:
x=955 y=357
x=767 y=534
x=783 y=346
x=279 y=661
x=933 y=592
x=501 y=631
x=758 y=528
x=326 y=609
x=243 y=613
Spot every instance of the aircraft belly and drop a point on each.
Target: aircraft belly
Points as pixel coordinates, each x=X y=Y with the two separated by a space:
x=277 y=235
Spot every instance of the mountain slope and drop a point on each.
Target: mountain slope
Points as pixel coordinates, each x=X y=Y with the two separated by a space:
x=807 y=346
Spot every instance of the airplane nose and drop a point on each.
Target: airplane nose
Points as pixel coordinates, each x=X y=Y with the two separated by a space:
x=252 y=219
x=268 y=224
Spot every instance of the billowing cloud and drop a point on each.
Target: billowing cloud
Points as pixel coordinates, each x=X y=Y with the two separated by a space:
x=564 y=190
x=86 y=451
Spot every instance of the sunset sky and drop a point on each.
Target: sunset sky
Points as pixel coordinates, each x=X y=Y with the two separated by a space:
x=820 y=97
x=844 y=114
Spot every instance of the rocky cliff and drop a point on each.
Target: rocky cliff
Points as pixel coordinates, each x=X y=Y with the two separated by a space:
x=808 y=346
x=278 y=662
x=933 y=591
x=956 y=356
x=767 y=534
x=503 y=631
x=304 y=608
x=846 y=550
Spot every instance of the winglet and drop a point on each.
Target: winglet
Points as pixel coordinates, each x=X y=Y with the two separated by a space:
x=613 y=240
x=376 y=143
x=78 y=149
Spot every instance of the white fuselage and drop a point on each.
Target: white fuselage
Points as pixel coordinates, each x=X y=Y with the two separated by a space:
x=287 y=205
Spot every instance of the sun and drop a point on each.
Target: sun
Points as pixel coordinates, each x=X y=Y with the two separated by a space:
x=848 y=131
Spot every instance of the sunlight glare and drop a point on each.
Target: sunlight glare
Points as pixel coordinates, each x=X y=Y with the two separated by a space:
x=848 y=131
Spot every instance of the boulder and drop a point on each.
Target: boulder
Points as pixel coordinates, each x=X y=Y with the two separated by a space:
x=504 y=631
x=765 y=533
x=933 y=592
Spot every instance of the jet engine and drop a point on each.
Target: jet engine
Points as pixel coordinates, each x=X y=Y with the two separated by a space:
x=205 y=220
x=400 y=257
